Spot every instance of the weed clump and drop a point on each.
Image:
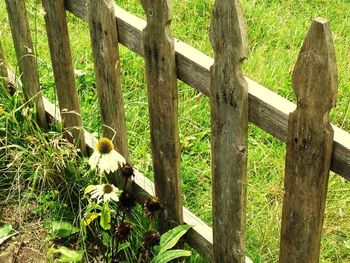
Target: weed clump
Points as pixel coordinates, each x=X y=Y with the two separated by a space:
x=86 y=216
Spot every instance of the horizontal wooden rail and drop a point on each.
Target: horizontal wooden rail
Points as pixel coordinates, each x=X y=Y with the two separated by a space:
x=200 y=236
x=267 y=110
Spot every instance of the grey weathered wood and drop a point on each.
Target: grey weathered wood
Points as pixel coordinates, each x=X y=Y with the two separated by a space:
x=161 y=77
x=61 y=58
x=103 y=32
x=229 y=131
x=309 y=147
x=267 y=110
x=22 y=40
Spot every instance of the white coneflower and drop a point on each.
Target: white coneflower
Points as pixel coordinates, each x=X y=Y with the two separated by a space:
x=105 y=157
x=107 y=191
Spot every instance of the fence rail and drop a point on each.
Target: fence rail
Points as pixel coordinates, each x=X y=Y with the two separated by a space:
x=306 y=131
x=267 y=110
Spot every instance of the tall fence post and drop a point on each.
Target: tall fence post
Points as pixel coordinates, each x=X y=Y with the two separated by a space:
x=309 y=147
x=61 y=58
x=3 y=67
x=22 y=40
x=104 y=41
x=229 y=131
x=159 y=57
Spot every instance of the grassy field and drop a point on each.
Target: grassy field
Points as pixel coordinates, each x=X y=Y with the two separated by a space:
x=276 y=30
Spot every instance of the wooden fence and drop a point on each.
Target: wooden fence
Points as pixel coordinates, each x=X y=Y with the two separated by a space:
x=314 y=147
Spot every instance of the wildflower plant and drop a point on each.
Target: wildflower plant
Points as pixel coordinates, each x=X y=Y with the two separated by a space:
x=110 y=228
x=105 y=157
x=106 y=219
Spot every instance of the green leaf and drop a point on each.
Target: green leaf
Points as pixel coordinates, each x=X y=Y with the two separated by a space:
x=170 y=255
x=106 y=239
x=5 y=230
x=92 y=207
x=61 y=229
x=105 y=221
x=169 y=239
x=5 y=233
x=59 y=126
x=123 y=246
x=89 y=217
x=68 y=255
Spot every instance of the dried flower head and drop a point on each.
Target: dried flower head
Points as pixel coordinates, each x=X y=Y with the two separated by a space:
x=150 y=239
x=123 y=231
x=153 y=207
x=127 y=171
x=127 y=201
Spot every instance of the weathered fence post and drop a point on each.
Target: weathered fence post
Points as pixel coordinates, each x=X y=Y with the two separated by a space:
x=229 y=120
x=61 y=58
x=3 y=67
x=309 y=147
x=104 y=39
x=25 y=56
x=162 y=100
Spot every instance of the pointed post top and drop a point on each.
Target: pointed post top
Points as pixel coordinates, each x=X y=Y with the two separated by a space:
x=309 y=147
x=227 y=29
x=315 y=75
x=159 y=11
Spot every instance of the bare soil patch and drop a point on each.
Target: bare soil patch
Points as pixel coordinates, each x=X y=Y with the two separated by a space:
x=28 y=245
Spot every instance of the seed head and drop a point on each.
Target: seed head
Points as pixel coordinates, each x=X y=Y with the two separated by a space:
x=107 y=188
x=104 y=146
x=153 y=207
x=127 y=201
x=123 y=231
x=127 y=171
x=150 y=239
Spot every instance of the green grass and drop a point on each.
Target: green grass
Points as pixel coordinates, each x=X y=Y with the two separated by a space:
x=276 y=30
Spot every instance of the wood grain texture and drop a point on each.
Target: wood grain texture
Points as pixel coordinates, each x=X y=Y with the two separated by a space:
x=103 y=32
x=229 y=131
x=26 y=59
x=3 y=65
x=309 y=147
x=159 y=55
x=61 y=59
x=267 y=109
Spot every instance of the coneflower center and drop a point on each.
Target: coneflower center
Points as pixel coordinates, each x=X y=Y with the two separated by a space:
x=107 y=188
x=154 y=206
x=104 y=146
